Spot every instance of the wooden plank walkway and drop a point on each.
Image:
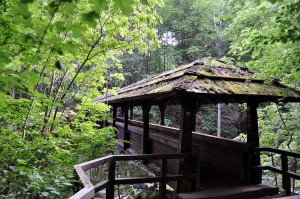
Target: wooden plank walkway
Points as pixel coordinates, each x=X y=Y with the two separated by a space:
x=232 y=192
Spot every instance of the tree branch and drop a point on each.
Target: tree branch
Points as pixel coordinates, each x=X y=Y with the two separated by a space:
x=54 y=101
x=286 y=128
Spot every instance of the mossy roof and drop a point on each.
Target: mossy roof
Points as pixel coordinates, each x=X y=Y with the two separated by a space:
x=206 y=77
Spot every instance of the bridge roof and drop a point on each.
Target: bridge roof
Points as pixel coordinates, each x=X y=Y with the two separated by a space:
x=206 y=79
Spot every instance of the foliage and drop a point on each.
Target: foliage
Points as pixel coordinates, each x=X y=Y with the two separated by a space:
x=54 y=59
x=190 y=30
x=207 y=118
x=154 y=115
x=279 y=126
x=265 y=37
x=193 y=28
x=270 y=48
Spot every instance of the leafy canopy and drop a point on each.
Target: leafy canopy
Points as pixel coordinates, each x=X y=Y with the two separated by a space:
x=53 y=59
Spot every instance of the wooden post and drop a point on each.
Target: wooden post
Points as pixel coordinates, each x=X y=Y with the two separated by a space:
x=147 y=145
x=111 y=177
x=162 y=108
x=114 y=115
x=126 y=132
x=187 y=126
x=163 y=182
x=286 y=181
x=253 y=138
x=131 y=112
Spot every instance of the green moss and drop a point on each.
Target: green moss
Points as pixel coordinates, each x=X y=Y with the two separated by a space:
x=211 y=62
x=267 y=89
x=204 y=73
x=209 y=85
x=208 y=74
x=232 y=87
x=191 y=77
x=166 y=87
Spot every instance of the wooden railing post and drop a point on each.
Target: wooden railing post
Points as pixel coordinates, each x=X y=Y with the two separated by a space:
x=111 y=177
x=90 y=189
x=286 y=181
x=163 y=182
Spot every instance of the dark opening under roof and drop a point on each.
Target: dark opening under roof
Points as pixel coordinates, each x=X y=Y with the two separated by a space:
x=208 y=79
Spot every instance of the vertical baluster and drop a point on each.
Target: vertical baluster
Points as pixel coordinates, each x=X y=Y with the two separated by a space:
x=286 y=182
x=163 y=182
x=111 y=177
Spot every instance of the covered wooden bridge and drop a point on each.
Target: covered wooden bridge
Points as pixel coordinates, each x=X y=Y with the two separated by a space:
x=195 y=161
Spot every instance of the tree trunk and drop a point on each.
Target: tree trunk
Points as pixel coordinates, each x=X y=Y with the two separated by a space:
x=219 y=121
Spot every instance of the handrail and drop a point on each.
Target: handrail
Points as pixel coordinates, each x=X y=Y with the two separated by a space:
x=284 y=171
x=90 y=189
x=279 y=151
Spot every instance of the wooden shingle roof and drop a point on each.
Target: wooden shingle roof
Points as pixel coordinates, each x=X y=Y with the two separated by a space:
x=205 y=78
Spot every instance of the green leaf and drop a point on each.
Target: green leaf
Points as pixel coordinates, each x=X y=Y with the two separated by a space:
x=21 y=9
x=59 y=26
x=27 y=1
x=125 y=6
x=59 y=104
x=99 y=5
x=3 y=58
x=22 y=162
x=90 y=18
x=77 y=28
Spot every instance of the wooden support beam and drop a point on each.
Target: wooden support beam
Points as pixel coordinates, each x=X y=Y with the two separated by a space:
x=114 y=117
x=187 y=126
x=126 y=132
x=114 y=114
x=253 y=138
x=147 y=144
x=162 y=109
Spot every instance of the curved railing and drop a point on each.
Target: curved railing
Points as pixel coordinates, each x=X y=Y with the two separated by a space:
x=89 y=189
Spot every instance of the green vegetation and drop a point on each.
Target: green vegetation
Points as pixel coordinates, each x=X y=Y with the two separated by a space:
x=56 y=56
x=54 y=59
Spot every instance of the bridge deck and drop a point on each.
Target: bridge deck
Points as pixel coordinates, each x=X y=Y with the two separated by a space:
x=232 y=192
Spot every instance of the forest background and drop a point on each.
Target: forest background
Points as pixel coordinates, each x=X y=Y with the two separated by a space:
x=56 y=56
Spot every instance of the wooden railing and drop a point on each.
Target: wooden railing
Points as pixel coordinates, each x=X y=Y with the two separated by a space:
x=284 y=171
x=90 y=189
